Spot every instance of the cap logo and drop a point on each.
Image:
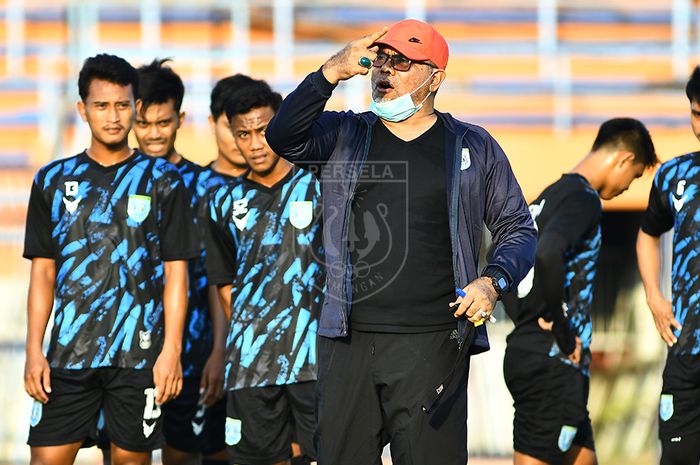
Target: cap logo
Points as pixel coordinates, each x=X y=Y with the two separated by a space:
x=415 y=40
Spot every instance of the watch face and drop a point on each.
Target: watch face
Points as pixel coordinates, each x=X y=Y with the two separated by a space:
x=502 y=283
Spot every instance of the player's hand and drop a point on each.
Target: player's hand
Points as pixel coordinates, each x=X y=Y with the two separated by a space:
x=346 y=63
x=662 y=311
x=37 y=380
x=212 y=385
x=575 y=356
x=479 y=301
x=545 y=325
x=167 y=375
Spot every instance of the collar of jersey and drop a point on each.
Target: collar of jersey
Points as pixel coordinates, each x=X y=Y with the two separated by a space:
x=109 y=168
x=276 y=185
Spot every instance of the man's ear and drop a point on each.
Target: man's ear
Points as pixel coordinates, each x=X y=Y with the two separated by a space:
x=212 y=124
x=624 y=157
x=80 y=105
x=437 y=80
x=181 y=119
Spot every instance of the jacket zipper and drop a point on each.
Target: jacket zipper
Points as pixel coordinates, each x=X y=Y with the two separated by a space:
x=456 y=174
x=348 y=207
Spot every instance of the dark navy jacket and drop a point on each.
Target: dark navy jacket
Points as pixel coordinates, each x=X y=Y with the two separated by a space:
x=334 y=145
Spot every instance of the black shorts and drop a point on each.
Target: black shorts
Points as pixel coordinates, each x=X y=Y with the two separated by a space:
x=259 y=423
x=193 y=428
x=679 y=406
x=550 y=399
x=371 y=390
x=125 y=396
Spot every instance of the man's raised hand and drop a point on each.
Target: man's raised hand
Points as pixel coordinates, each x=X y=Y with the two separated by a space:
x=346 y=63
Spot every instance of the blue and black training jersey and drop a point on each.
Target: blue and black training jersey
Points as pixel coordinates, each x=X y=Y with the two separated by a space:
x=567 y=215
x=109 y=230
x=198 y=335
x=674 y=202
x=266 y=242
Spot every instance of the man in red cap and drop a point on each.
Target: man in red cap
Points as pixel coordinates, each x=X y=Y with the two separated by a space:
x=406 y=191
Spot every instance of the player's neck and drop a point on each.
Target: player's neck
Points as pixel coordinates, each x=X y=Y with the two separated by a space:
x=281 y=169
x=108 y=155
x=223 y=166
x=174 y=157
x=590 y=169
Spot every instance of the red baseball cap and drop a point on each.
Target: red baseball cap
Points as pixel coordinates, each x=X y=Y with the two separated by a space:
x=417 y=41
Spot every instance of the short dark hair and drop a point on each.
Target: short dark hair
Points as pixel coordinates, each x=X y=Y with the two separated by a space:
x=158 y=84
x=629 y=134
x=110 y=68
x=692 y=88
x=256 y=94
x=223 y=90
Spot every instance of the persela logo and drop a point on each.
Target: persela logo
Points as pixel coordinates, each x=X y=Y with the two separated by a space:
x=372 y=240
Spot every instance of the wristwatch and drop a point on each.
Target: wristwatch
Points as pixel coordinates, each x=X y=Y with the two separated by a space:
x=500 y=280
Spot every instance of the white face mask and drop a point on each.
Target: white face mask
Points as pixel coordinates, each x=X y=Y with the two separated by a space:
x=400 y=108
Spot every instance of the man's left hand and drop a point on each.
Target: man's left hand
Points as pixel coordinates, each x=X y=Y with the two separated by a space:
x=479 y=301
x=167 y=376
x=212 y=383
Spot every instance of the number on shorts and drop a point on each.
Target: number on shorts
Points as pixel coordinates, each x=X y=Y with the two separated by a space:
x=152 y=410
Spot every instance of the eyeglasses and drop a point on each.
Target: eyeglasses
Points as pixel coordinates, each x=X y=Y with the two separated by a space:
x=398 y=62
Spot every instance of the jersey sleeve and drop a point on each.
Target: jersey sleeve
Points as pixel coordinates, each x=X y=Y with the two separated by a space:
x=658 y=217
x=579 y=212
x=37 y=238
x=573 y=220
x=220 y=247
x=179 y=237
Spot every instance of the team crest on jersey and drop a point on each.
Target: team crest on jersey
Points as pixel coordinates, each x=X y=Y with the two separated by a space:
x=566 y=437
x=240 y=213
x=145 y=339
x=679 y=196
x=466 y=160
x=301 y=213
x=666 y=407
x=233 y=431
x=139 y=207
x=37 y=409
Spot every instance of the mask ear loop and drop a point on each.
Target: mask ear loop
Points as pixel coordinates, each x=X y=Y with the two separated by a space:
x=420 y=105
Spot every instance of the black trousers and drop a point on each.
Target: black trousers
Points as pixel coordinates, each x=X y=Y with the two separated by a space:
x=369 y=393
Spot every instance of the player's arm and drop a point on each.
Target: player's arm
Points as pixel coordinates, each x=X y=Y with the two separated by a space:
x=550 y=269
x=167 y=371
x=212 y=383
x=179 y=241
x=39 y=306
x=658 y=219
x=38 y=247
x=574 y=220
x=649 y=263
x=221 y=253
x=225 y=299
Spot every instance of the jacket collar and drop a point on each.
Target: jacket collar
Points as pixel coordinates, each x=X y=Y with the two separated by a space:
x=456 y=127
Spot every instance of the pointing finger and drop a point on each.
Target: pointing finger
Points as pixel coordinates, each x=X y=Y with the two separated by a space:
x=372 y=38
